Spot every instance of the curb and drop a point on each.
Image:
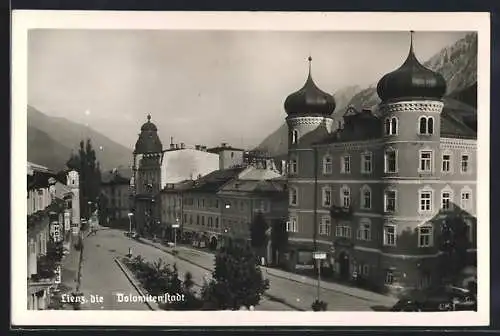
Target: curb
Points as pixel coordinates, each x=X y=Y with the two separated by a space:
x=269 y=296
x=134 y=283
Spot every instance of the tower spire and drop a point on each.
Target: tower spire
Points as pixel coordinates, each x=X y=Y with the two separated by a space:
x=411 y=40
x=309 y=59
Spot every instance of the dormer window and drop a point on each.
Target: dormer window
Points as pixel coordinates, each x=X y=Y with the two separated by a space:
x=426 y=125
x=391 y=126
x=295 y=136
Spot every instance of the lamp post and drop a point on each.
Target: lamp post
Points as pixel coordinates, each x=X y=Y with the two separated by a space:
x=130 y=214
x=226 y=229
x=318 y=256
x=175 y=227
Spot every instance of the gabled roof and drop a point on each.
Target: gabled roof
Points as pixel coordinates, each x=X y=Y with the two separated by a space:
x=213 y=181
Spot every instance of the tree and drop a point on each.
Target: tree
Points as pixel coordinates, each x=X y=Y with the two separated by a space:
x=258 y=230
x=85 y=163
x=454 y=242
x=279 y=237
x=237 y=279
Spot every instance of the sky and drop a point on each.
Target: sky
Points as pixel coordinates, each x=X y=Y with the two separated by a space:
x=202 y=87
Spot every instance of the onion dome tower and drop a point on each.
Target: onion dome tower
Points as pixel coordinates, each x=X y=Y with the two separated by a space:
x=147 y=162
x=307 y=109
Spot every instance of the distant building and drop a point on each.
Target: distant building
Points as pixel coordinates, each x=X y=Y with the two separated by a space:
x=373 y=189
x=229 y=157
x=115 y=187
x=224 y=203
x=185 y=163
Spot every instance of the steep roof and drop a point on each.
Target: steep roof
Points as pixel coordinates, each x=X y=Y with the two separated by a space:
x=213 y=181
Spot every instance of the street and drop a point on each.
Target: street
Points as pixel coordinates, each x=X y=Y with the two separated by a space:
x=102 y=276
x=300 y=295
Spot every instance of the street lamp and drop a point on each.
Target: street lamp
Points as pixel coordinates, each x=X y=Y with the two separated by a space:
x=130 y=214
x=175 y=227
x=318 y=256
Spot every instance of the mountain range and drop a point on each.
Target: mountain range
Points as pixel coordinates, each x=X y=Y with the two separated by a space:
x=52 y=139
x=457 y=63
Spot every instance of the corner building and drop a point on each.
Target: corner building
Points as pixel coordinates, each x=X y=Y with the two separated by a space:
x=373 y=188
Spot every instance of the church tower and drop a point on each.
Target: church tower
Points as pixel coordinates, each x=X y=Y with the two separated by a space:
x=147 y=161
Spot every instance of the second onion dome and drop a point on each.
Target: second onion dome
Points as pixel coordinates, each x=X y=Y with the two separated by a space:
x=309 y=100
x=411 y=80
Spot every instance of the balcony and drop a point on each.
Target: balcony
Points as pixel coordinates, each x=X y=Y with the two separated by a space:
x=341 y=212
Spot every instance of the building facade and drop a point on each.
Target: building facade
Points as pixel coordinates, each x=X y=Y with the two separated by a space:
x=229 y=156
x=383 y=182
x=115 y=187
x=50 y=207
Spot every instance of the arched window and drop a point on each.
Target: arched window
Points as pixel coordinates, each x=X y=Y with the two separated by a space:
x=426 y=125
x=366 y=198
x=391 y=126
x=364 y=229
x=294 y=196
x=345 y=196
x=327 y=164
x=295 y=136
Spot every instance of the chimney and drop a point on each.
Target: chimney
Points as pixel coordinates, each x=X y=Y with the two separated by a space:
x=204 y=148
x=172 y=146
x=183 y=145
x=171 y=141
x=224 y=144
x=176 y=146
x=197 y=147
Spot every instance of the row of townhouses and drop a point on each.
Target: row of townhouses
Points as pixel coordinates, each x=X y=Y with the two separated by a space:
x=53 y=215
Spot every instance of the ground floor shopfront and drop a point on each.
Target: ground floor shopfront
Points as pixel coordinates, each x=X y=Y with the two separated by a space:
x=371 y=268
x=38 y=295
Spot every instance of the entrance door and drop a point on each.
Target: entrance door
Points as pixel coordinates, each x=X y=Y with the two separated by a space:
x=344 y=265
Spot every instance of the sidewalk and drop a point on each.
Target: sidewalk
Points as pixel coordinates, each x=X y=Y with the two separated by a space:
x=206 y=260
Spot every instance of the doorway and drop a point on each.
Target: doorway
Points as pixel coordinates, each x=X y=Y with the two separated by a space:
x=344 y=266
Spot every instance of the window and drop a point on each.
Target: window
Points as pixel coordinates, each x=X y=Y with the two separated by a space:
x=390 y=200
x=465 y=200
x=325 y=226
x=185 y=218
x=446 y=163
x=446 y=202
x=425 y=236
x=390 y=161
x=327 y=196
x=389 y=277
x=391 y=126
x=197 y=219
x=366 y=269
x=294 y=166
x=426 y=125
x=343 y=230
x=366 y=163
x=202 y=220
x=190 y=219
x=389 y=235
x=364 y=231
x=345 y=164
x=366 y=198
x=327 y=165
x=425 y=161
x=217 y=204
x=345 y=197
x=425 y=200
x=210 y=223
x=464 y=163
x=295 y=136
x=294 y=199
x=216 y=222
x=291 y=225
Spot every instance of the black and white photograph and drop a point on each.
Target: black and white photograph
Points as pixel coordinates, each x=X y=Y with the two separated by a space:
x=250 y=168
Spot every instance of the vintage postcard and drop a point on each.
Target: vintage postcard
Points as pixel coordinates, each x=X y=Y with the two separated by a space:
x=205 y=168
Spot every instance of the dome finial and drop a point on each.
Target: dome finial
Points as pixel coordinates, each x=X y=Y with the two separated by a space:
x=411 y=40
x=149 y=117
x=309 y=59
